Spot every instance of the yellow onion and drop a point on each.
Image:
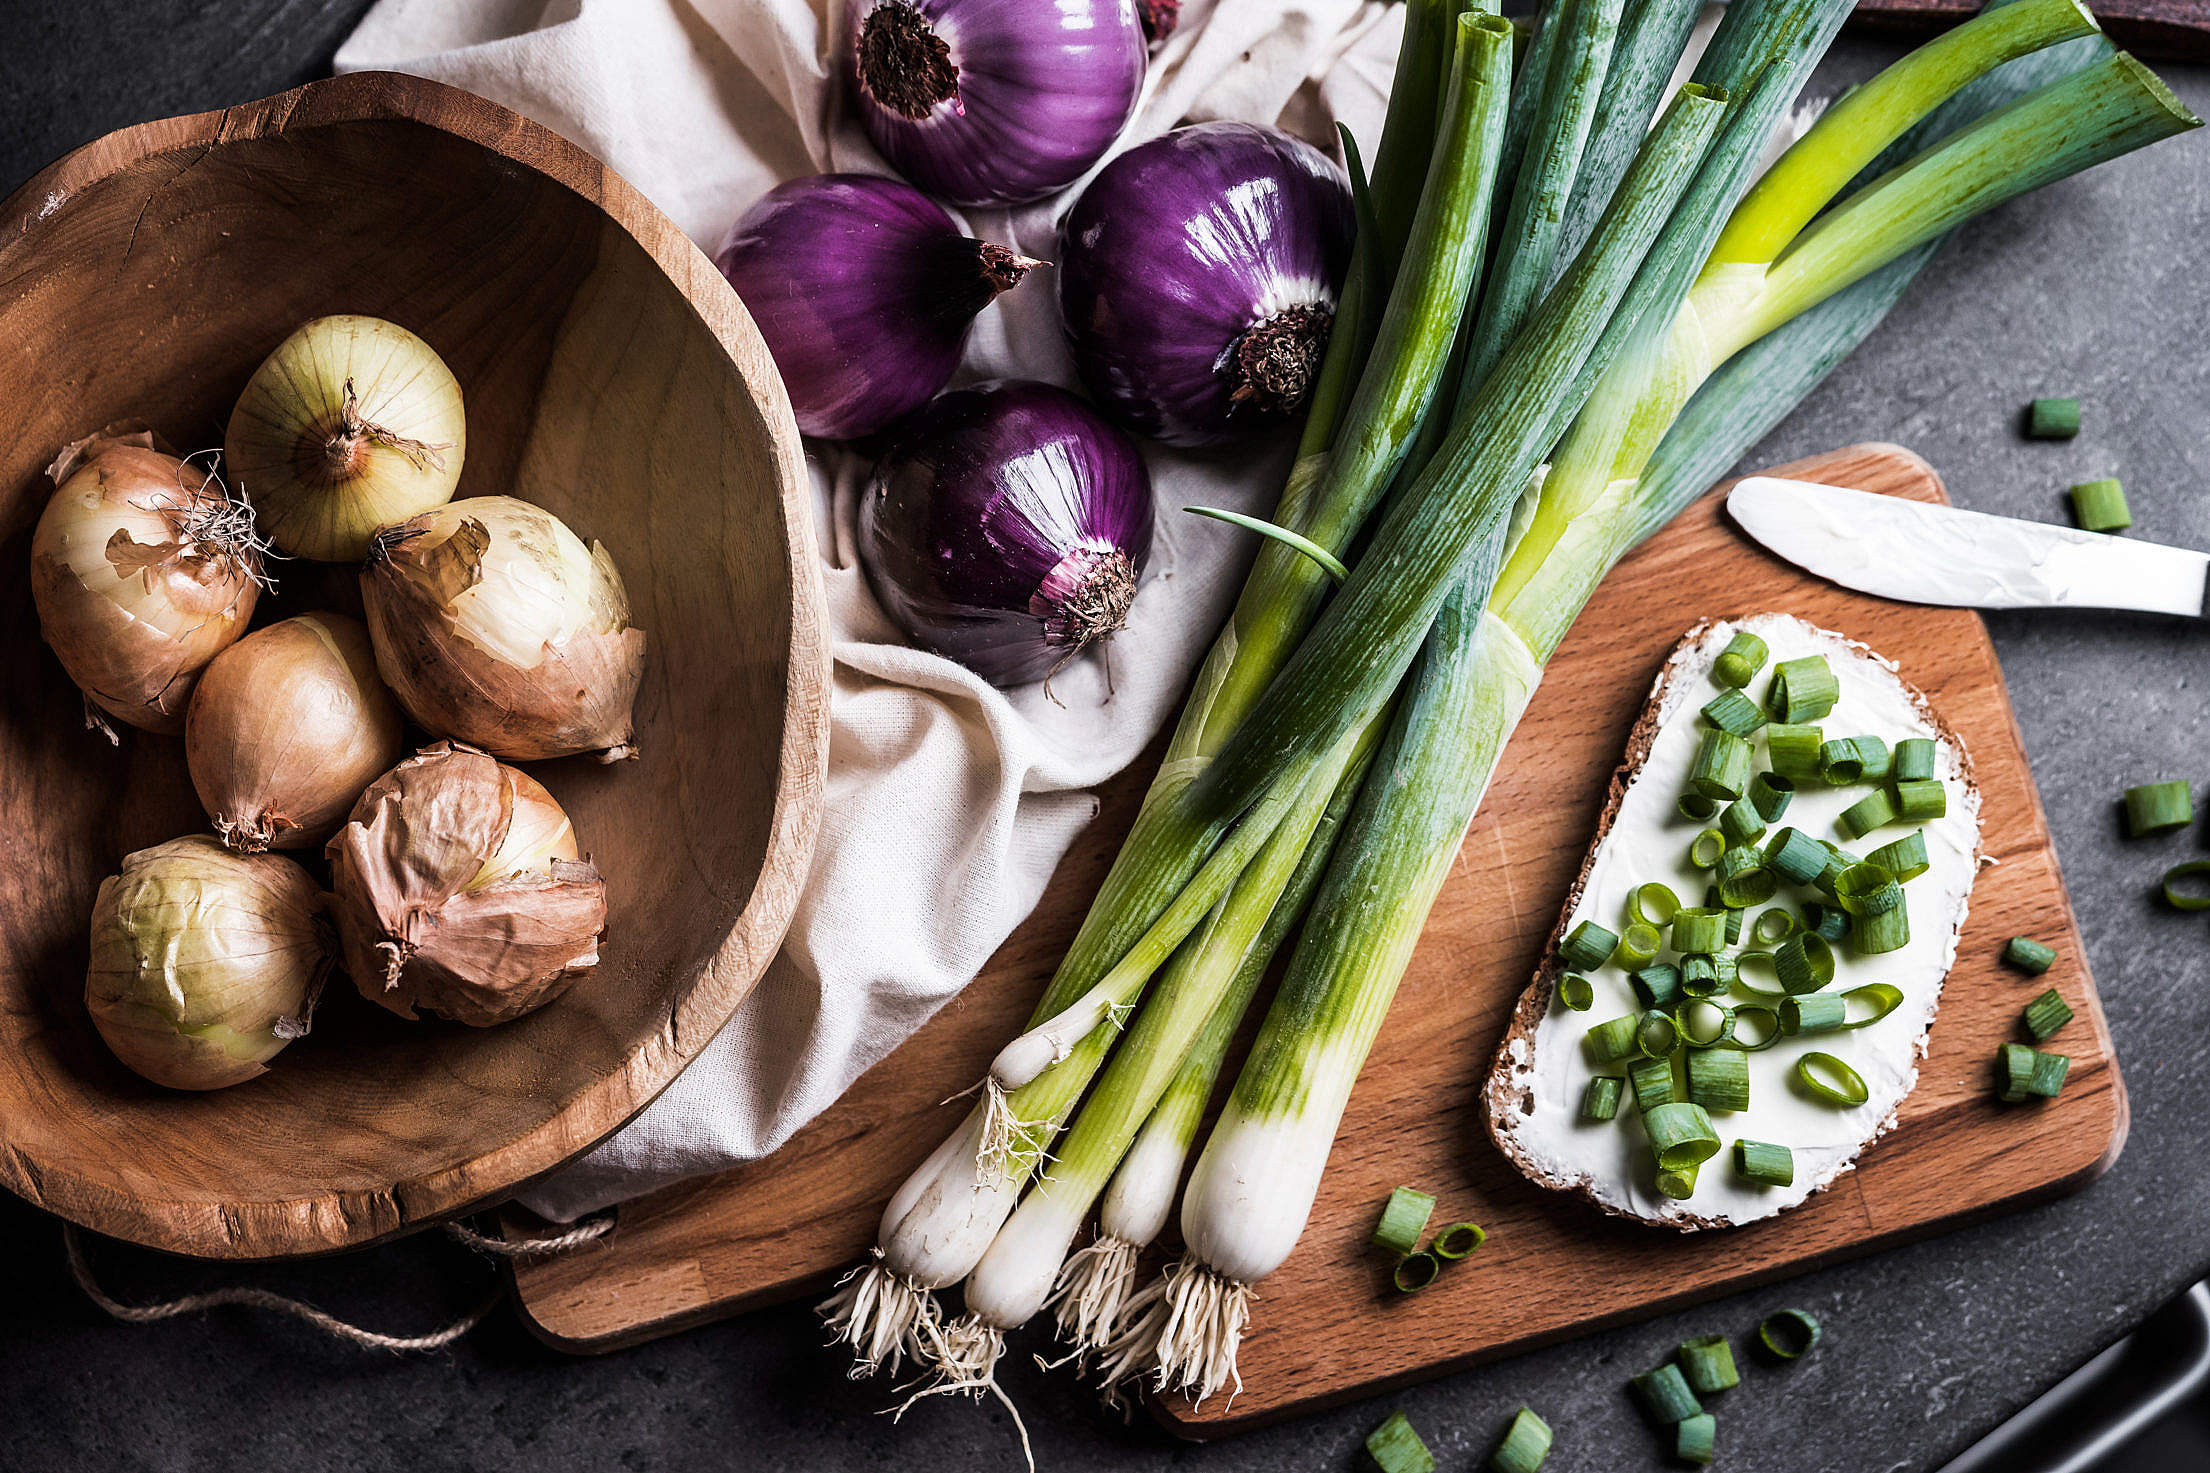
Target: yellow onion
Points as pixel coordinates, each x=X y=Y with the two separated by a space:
x=497 y=627
x=205 y=963
x=460 y=890
x=143 y=569
x=286 y=728
x=352 y=424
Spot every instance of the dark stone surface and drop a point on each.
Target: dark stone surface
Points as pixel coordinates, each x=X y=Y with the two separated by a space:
x=2094 y=288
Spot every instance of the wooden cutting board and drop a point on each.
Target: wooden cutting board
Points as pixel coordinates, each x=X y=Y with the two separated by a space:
x=1327 y=1328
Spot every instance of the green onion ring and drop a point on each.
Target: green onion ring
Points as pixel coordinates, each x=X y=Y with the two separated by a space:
x=1457 y=1240
x=1772 y=927
x=2187 y=871
x=1526 y=1443
x=1805 y=963
x=1879 y=996
x=1706 y=849
x=1718 y=1032
x=1576 y=992
x=1769 y=1019
x=1415 y=1271
x=1403 y=1218
x=1744 y=987
x=1653 y=903
x=1707 y=1364
x=1865 y=889
x=1681 y=1135
x=1788 y=1334
x=1655 y=1035
x=1831 y=1080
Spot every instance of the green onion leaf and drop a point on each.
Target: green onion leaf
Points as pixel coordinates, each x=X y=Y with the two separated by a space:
x=1865 y=889
x=1805 y=963
x=1743 y=878
x=1821 y=1012
x=1394 y=1447
x=1772 y=927
x=1695 y=807
x=2176 y=898
x=1664 y=1392
x=1699 y=928
x=1719 y=1079
x=1920 y=800
x=1695 y=1439
x=2052 y=419
x=1652 y=1082
x=1657 y=986
x=1610 y=1041
x=1889 y=930
x=1756 y=1028
x=1741 y=822
x=1681 y=1133
x=1655 y=1037
x=1905 y=858
x=1766 y=1164
x=1731 y=711
x=1587 y=946
x=1415 y=1271
x=2029 y=1073
x=1458 y=1240
x=2046 y=1014
x=1788 y=1334
x=1831 y=1080
x=1704 y=1023
x=1914 y=760
x=1654 y=902
x=1639 y=945
x=1526 y=1443
x=1794 y=750
x=1600 y=1101
x=1576 y=992
x=1770 y=792
x=1707 y=1362
x=1802 y=691
x=2158 y=808
x=1721 y=769
x=1740 y=661
x=1796 y=857
x=1403 y=1219
x=1328 y=561
x=2029 y=955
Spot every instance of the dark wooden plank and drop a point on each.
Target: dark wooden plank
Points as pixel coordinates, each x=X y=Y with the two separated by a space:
x=2166 y=30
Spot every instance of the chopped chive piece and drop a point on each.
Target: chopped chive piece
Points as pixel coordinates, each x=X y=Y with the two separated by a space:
x=2029 y=955
x=1600 y=1101
x=2052 y=419
x=1731 y=711
x=1664 y=1394
x=2100 y=506
x=1770 y=793
x=1414 y=1272
x=1740 y=661
x=1695 y=807
x=1657 y=986
x=2046 y=1014
x=1878 y=762
x=1828 y=922
x=1588 y=946
x=1403 y=1219
x=1704 y=1023
x=1920 y=800
x=1614 y=1039
x=1788 y=1334
x=1824 y=884
x=1772 y=927
x=1700 y=928
x=1870 y=812
x=1743 y=878
x=1576 y=992
x=1394 y=1447
x=1680 y=1133
x=1734 y=924
x=1700 y=975
x=1653 y=902
x=1821 y=1012
x=1696 y=1439
x=2158 y=808
x=1678 y=1183
x=1741 y=822
x=1765 y=1164
x=1794 y=750
x=1719 y=1079
x=1831 y=1080
x=1639 y=945
x=1707 y=1362
x=1914 y=760
x=1458 y=1240
x=1879 y=999
x=1796 y=857
x=1767 y=967
x=1805 y=963
x=1652 y=1082
x=2029 y=1073
x=1756 y=1028
x=1654 y=1034
x=1842 y=761
x=1802 y=691
x=1876 y=935
x=1865 y=889
x=1905 y=858
x=1721 y=769
x=2178 y=899
x=1526 y=1443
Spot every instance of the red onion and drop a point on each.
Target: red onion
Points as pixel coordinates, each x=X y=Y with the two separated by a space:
x=1007 y=528
x=995 y=101
x=1198 y=276
x=864 y=291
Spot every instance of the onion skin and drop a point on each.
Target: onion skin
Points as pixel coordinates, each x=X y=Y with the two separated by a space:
x=994 y=101
x=287 y=727
x=205 y=963
x=496 y=627
x=1007 y=528
x=864 y=290
x=460 y=892
x=143 y=571
x=1198 y=275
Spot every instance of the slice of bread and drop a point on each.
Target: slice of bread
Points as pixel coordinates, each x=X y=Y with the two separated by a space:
x=1533 y=1093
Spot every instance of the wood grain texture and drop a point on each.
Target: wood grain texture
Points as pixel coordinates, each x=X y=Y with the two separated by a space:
x=611 y=376
x=2159 y=30
x=1327 y=1328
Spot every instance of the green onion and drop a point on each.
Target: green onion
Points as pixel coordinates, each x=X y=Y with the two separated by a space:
x=1831 y=1080
x=1842 y=760
x=1805 y=963
x=1767 y=967
x=1700 y=975
x=1765 y=1164
x=1706 y=849
x=2053 y=419
x=1905 y=858
x=1763 y=1029
x=1639 y=945
x=1699 y=929
x=1403 y=1218
x=1652 y=1082
x=1657 y=986
x=1876 y=809
x=1719 y=1080
x=1794 y=750
x=1695 y=1439
x=1770 y=793
x=1914 y=760
x=1296 y=542
x=2158 y=808
x=1680 y=1133
x=2029 y=955
x=1821 y=1012
x=1526 y=1443
x=1734 y=924
x=1664 y=1392
x=1415 y=1271
x=1600 y=1102
x=1654 y=902
x=1920 y=800
x=1394 y=1447
x=2174 y=896
x=1888 y=930
x=1576 y=992
x=1458 y=1240
x=2029 y=1073
x=1732 y=712
x=1707 y=1362
x=1721 y=769
x=1654 y=1034
x=1740 y=661
x=1796 y=857
x=1788 y=1334
x=1610 y=1041
x=2046 y=1014
x=1802 y=691
x=1865 y=889
x=1879 y=998
x=1743 y=878
x=1772 y=927
x=1695 y=807
x=1587 y=946
x=1704 y=1023
x=1678 y=1183
x=1828 y=922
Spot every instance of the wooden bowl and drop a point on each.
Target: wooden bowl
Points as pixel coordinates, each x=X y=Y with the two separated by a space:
x=610 y=375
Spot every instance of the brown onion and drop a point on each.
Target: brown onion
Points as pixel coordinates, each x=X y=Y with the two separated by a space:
x=286 y=728
x=460 y=890
x=143 y=569
x=497 y=627
x=205 y=963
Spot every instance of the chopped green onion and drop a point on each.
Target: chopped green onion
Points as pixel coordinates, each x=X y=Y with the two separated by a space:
x=1905 y=858
x=1704 y=1023
x=1403 y=1219
x=1654 y=1034
x=1600 y=1101
x=1794 y=750
x=1415 y=1271
x=1772 y=927
x=1707 y=1362
x=1831 y=1080
x=1829 y=922
x=1678 y=1183
x=1920 y=800
x=1764 y=1023
x=1805 y=963
x=1741 y=822
x=1734 y=924
x=1458 y=1240
x=1699 y=929
x=1700 y=975
x=1664 y=1392
x=2029 y=1073
x=1889 y=930
x=2158 y=808
x=1576 y=992
x=1879 y=997
x=1639 y=945
x=2029 y=955
x=2052 y=419
x=1719 y=1079
x=2174 y=896
x=1653 y=902
x=1652 y=1082
x=1768 y=969
x=1764 y=1163
x=1740 y=661
x=1588 y=946
x=1865 y=889
x=1657 y=986
x=2046 y=1014
x=1878 y=763
x=1610 y=1041
x=1743 y=879
x=1526 y=1443
x=1796 y=857
x=1696 y=1439
x=1695 y=807
x=1788 y=1334
x=1842 y=761
x=1731 y=711
x=1721 y=769
x=1681 y=1133
x=1394 y=1447
x=2100 y=506
x=1914 y=760
x=1802 y=691
x=1870 y=812
x=1770 y=792
x=1821 y=1012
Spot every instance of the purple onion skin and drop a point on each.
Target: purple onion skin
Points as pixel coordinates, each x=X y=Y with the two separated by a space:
x=864 y=290
x=1023 y=98
x=1006 y=528
x=1177 y=250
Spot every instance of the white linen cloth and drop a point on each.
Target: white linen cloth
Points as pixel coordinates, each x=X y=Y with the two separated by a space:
x=949 y=802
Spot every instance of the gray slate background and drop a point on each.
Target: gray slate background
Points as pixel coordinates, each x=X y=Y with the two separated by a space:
x=2096 y=287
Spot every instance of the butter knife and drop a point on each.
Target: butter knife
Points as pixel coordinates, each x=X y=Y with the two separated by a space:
x=1924 y=553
